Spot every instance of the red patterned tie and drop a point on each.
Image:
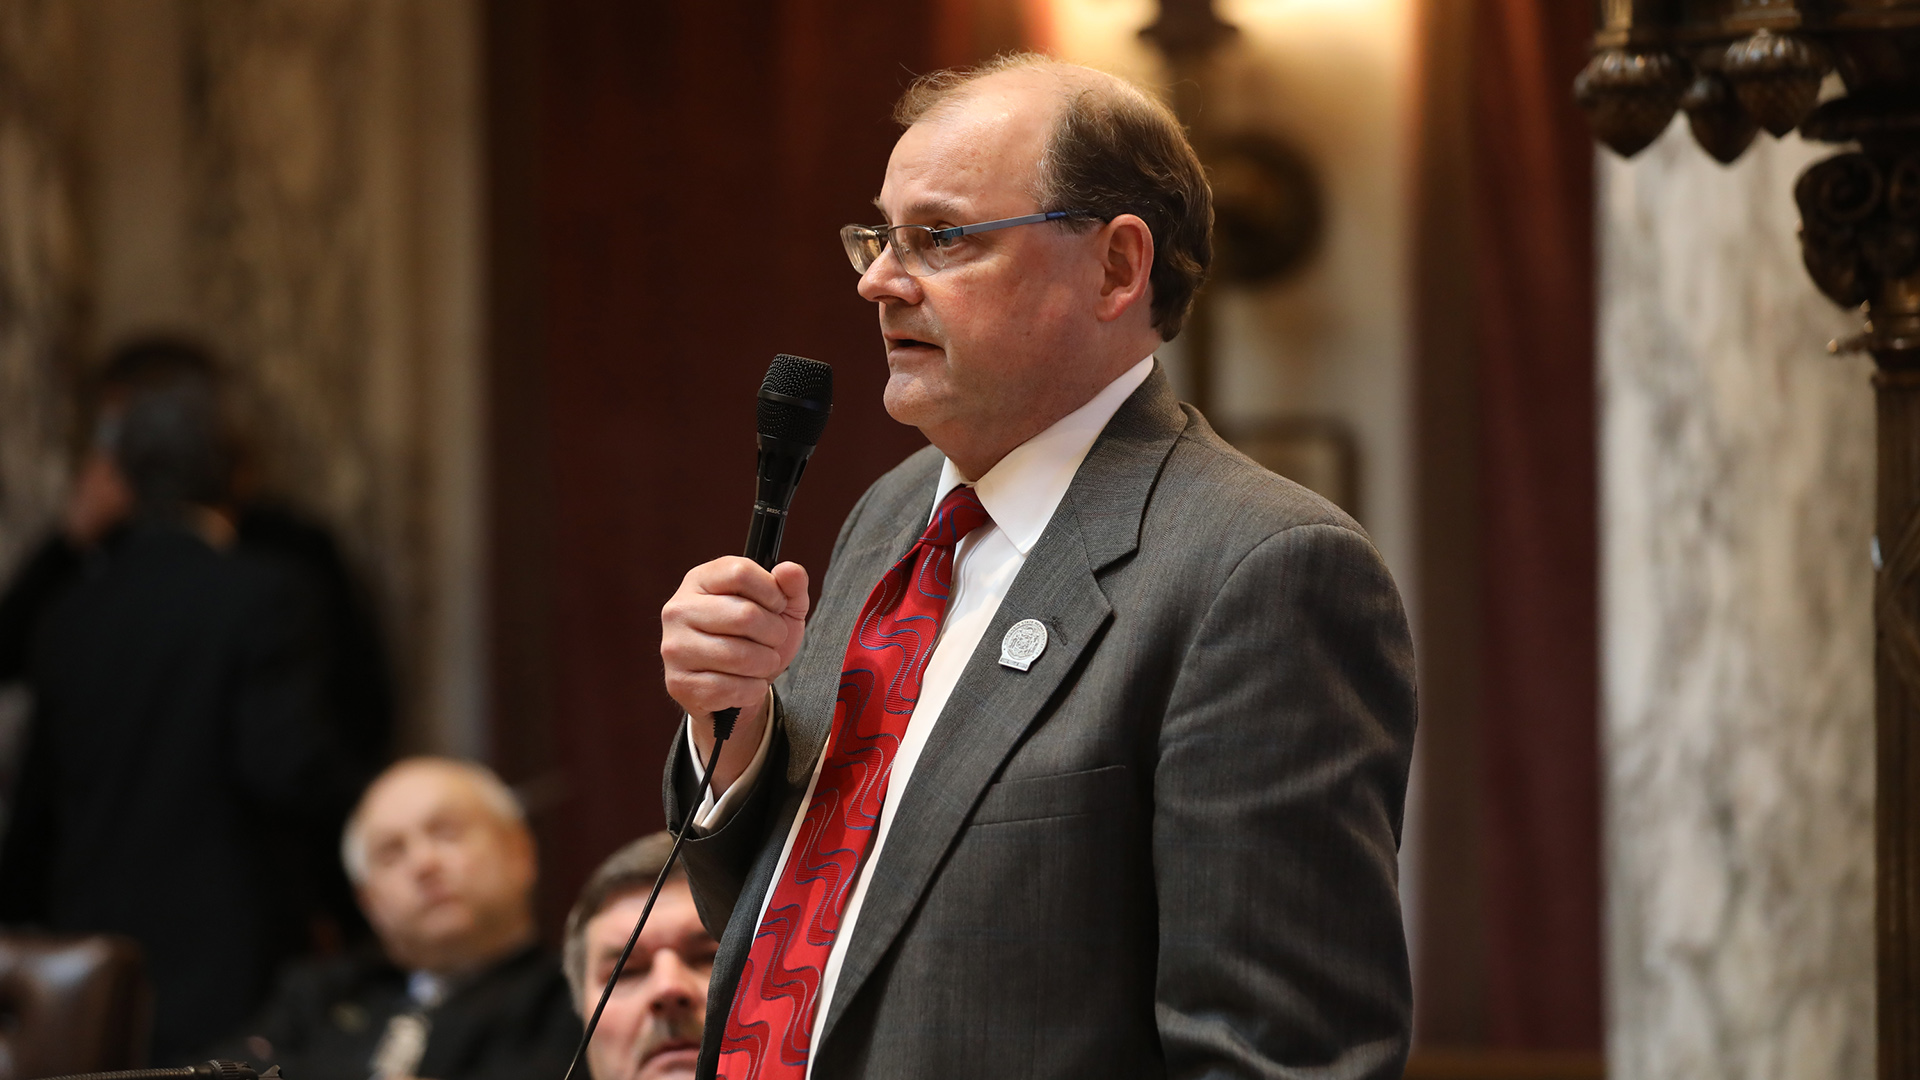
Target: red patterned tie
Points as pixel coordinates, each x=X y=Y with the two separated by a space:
x=771 y=1025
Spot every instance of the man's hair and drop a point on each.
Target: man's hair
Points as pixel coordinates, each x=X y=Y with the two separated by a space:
x=172 y=438
x=1113 y=150
x=631 y=869
x=157 y=358
x=498 y=798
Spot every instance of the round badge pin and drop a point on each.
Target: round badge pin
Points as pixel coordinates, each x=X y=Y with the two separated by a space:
x=1024 y=643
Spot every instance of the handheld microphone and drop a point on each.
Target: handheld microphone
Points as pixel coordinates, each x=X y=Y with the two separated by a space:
x=796 y=398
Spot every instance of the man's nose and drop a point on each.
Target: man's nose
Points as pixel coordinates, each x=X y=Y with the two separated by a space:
x=425 y=863
x=672 y=986
x=886 y=279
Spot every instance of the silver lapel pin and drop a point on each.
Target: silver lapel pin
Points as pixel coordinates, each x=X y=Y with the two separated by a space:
x=1024 y=643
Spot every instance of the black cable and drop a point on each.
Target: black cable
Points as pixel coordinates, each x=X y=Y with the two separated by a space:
x=722 y=729
x=219 y=1070
x=133 y=1074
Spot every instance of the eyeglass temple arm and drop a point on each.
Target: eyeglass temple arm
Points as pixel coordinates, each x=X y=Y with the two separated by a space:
x=958 y=231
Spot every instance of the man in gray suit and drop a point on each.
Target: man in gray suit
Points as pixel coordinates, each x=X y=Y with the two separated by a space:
x=1104 y=777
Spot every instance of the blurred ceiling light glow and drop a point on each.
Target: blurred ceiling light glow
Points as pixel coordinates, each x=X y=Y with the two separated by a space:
x=1102 y=32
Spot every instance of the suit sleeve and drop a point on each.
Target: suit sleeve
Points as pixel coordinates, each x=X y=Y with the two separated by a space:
x=1278 y=794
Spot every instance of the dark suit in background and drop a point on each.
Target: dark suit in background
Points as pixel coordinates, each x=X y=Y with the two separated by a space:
x=179 y=728
x=514 y=1021
x=357 y=683
x=1169 y=848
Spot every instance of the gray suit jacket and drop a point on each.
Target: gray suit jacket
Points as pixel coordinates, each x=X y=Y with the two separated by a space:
x=1169 y=848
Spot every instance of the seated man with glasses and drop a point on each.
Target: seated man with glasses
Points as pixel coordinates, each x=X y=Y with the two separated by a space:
x=1091 y=758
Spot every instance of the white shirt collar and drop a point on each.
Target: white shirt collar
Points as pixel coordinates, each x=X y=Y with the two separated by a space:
x=1024 y=488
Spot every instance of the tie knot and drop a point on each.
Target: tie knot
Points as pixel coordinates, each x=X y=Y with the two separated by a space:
x=959 y=514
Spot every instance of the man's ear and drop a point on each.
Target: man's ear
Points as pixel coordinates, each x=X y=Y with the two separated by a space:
x=1125 y=245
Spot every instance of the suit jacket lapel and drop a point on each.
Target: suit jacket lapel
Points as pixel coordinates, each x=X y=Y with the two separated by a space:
x=992 y=707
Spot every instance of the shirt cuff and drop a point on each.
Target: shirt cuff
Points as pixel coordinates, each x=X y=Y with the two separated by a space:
x=717 y=812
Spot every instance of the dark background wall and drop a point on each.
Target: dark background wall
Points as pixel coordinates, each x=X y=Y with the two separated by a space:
x=667 y=181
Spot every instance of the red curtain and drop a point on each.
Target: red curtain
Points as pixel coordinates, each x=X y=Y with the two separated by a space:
x=1533 y=261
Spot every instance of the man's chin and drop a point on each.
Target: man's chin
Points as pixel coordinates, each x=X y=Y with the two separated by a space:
x=912 y=399
x=670 y=1063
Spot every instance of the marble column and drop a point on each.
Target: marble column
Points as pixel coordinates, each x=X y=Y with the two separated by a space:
x=1737 y=460
x=334 y=249
x=300 y=183
x=41 y=262
x=41 y=295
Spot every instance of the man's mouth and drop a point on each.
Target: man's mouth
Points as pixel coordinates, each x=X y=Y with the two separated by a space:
x=673 y=1057
x=669 y=1046
x=896 y=343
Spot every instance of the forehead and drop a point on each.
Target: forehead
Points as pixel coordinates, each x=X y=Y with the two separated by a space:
x=674 y=916
x=411 y=796
x=980 y=151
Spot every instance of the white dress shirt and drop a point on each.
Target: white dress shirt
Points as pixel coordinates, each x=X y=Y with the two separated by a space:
x=1021 y=494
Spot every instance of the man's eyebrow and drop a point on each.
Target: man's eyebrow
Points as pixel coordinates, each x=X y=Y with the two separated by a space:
x=925 y=210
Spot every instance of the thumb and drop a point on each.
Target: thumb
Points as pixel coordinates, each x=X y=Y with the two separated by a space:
x=792 y=579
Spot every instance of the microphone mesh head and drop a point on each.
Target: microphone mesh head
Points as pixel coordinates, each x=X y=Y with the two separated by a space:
x=795 y=399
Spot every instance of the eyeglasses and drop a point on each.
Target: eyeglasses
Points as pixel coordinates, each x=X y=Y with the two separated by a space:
x=923 y=249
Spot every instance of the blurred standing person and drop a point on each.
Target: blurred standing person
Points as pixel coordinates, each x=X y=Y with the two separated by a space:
x=356 y=679
x=179 y=729
x=99 y=505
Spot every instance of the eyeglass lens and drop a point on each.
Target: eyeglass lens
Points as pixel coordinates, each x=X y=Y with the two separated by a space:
x=912 y=244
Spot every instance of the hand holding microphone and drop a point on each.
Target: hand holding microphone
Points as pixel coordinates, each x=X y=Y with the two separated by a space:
x=736 y=623
x=728 y=631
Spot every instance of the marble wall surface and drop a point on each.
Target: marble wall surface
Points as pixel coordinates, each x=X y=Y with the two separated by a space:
x=299 y=183
x=41 y=294
x=1738 y=477
x=332 y=241
x=41 y=261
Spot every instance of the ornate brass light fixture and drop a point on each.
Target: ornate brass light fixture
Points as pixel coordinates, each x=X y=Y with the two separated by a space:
x=1267 y=203
x=1736 y=67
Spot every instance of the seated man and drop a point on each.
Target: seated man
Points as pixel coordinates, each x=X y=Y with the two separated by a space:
x=444 y=866
x=651 y=1027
